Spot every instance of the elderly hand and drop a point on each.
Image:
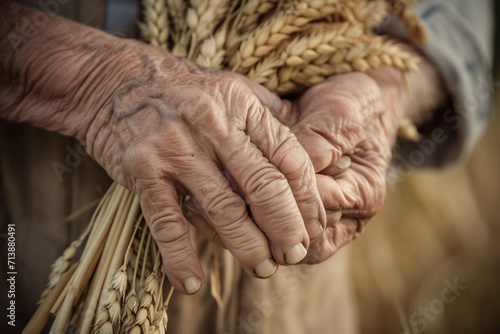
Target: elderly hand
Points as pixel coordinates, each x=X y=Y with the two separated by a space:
x=162 y=126
x=348 y=126
x=349 y=117
x=176 y=128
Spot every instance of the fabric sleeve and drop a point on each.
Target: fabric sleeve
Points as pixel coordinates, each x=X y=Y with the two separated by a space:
x=461 y=46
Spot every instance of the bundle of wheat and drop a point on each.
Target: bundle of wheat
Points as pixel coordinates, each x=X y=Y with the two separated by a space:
x=117 y=284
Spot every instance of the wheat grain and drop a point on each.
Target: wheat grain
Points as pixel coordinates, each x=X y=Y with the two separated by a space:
x=202 y=20
x=59 y=267
x=180 y=48
x=210 y=18
x=132 y=302
x=407 y=130
x=109 y=314
x=266 y=38
x=156 y=21
x=318 y=40
x=361 y=56
x=252 y=12
x=279 y=28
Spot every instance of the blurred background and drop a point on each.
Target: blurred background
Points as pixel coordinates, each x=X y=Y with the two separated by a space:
x=438 y=229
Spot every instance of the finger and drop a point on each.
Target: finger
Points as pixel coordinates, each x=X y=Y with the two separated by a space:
x=226 y=212
x=332 y=217
x=335 y=237
x=338 y=166
x=193 y=215
x=279 y=188
x=358 y=191
x=170 y=230
x=270 y=199
x=281 y=148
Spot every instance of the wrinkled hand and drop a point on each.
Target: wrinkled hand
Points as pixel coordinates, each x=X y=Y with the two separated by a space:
x=350 y=117
x=177 y=128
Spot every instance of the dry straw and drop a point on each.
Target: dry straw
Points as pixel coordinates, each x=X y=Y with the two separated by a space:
x=117 y=284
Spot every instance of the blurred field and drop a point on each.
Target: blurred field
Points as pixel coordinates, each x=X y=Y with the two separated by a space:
x=435 y=226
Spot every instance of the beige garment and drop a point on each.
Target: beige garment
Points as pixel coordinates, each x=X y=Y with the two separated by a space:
x=45 y=176
x=296 y=300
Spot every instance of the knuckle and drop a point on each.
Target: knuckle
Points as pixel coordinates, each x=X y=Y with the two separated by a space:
x=290 y=158
x=136 y=160
x=265 y=184
x=321 y=146
x=224 y=208
x=245 y=247
x=169 y=227
x=305 y=198
x=249 y=250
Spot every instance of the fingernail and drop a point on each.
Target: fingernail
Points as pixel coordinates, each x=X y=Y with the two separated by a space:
x=332 y=217
x=265 y=268
x=192 y=284
x=314 y=229
x=295 y=254
x=343 y=162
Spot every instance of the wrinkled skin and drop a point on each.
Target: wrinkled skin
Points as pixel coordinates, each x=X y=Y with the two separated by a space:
x=180 y=129
x=348 y=115
x=354 y=115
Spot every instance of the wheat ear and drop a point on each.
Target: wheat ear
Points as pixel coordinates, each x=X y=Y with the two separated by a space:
x=155 y=28
x=109 y=316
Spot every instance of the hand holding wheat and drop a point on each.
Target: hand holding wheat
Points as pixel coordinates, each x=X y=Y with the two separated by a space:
x=172 y=128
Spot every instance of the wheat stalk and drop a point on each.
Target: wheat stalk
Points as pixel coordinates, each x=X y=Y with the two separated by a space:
x=63 y=262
